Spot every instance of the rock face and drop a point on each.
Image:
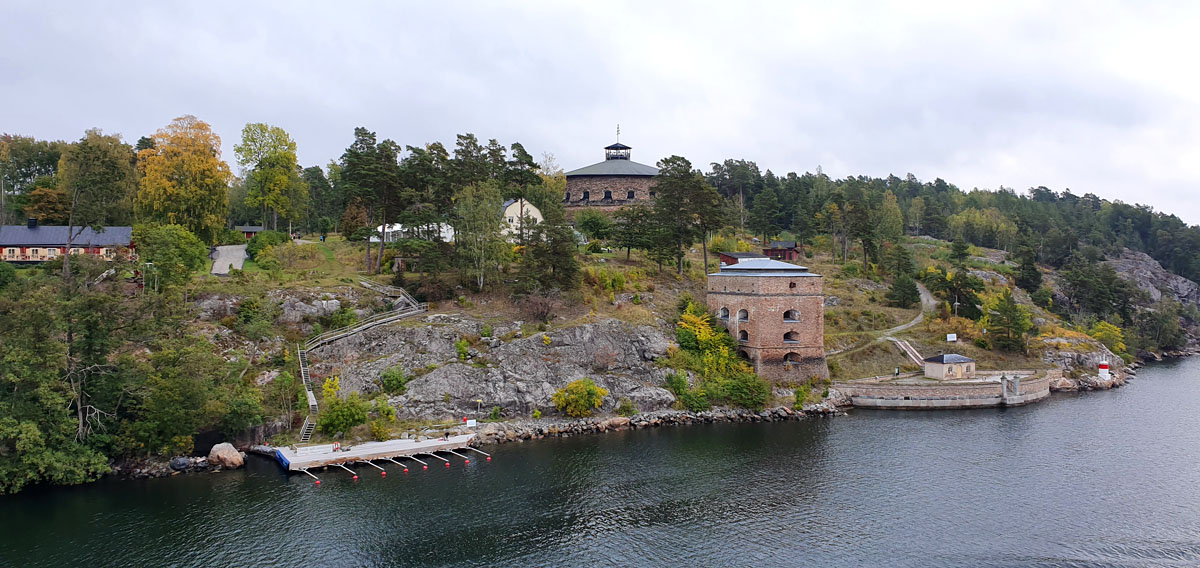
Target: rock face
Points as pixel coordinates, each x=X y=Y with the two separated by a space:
x=226 y=456
x=1148 y=275
x=1079 y=358
x=518 y=375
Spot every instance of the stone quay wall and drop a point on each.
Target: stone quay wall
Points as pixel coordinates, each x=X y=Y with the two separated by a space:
x=944 y=395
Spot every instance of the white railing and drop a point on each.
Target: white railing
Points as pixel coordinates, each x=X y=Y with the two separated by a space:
x=375 y=320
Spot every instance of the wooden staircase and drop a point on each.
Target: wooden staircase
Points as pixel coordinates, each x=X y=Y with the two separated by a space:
x=404 y=306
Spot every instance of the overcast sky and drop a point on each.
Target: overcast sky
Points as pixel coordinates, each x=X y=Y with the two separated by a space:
x=1096 y=97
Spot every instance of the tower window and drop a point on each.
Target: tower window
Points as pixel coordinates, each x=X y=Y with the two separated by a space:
x=791 y=315
x=743 y=315
x=608 y=195
x=724 y=313
x=652 y=194
x=587 y=195
x=629 y=194
x=567 y=197
x=791 y=337
x=743 y=336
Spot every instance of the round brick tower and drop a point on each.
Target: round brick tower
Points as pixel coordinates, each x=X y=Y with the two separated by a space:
x=775 y=311
x=608 y=185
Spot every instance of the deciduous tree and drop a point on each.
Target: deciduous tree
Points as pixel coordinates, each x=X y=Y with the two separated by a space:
x=184 y=181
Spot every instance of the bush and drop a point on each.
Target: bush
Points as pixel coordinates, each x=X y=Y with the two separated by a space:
x=263 y=240
x=342 y=414
x=677 y=383
x=982 y=343
x=227 y=236
x=394 y=381
x=174 y=251
x=626 y=408
x=486 y=331
x=579 y=397
x=495 y=413
x=8 y=274
x=537 y=414
x=461 y=346
x=695 y=400
x=802 y=394
x=343 y=317
x=747 y=390
x=380 y=430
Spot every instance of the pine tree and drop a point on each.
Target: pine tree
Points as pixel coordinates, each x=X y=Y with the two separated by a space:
x=764 y=213
x=904 y=292
x=1010 y=322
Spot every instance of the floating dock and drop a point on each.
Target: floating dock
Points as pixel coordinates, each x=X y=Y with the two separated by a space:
x=303 y=458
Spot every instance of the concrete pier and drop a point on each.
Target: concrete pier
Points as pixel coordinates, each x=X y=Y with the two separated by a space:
x=304 y=457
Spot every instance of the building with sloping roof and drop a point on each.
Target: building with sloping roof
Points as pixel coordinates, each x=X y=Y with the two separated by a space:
x=775 y=311
x=949 y=366
x=616 y=181
x=32 y=243
x=782 y=250
x=731 y=258
x=249 y=230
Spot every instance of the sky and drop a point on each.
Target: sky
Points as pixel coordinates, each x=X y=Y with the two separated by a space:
x=1099 y=97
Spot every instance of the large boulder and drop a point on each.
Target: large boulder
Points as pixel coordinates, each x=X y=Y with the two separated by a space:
x=226 y=456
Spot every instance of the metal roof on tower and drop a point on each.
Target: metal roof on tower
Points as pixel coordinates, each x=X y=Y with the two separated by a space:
x=616 y=163
x=763 y=267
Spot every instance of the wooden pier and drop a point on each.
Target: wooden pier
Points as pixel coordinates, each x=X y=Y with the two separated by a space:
x=303 y=458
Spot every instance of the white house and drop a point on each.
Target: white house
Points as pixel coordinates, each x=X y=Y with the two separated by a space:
x=517 y=212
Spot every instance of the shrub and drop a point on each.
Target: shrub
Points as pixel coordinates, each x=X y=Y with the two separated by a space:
x=8 y=273
x=461 y=347
x=486 y=331
x=384 y=409
x=227 y=236
x=546 y=340
x=380 y=430
x=343 y=317
x=982 y=343
x=495 y=413
x=677 y=383
x=626 y=408
x=175 y=251
x=342 y=414
x=537 y=414
x=747 y=390
x=394 y=381
x=263 y=240
x=802 y=394
x=695 y=400
x=579 y=397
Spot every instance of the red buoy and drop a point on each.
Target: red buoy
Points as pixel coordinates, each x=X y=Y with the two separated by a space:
x=383 y=473
x=424 y=467
x=466 y=461
x=447 y=464
x=489 y=458
x=356 y=478
x=406 y=470
x=318 y=482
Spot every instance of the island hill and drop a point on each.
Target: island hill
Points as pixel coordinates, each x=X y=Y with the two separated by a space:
x=421 y=287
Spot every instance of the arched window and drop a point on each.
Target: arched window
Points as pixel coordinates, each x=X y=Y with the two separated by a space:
x=791 y=315
x=791 y=337
x=724 y=313
x=629 y=194
x=608 y=195
x=743 y=336
x=743 y=315
x=791 y=359
x=651 y=194
x=567 y=197
x=587 y=195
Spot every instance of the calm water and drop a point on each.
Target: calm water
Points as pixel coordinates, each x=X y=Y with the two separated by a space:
x=1100 y=479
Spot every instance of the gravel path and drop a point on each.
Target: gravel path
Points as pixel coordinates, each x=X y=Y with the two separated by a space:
x=228 y=257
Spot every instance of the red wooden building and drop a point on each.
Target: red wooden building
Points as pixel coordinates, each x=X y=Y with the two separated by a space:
x=32 y=243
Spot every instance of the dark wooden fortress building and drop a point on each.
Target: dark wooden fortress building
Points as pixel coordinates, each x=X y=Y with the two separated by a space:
x=616 y=181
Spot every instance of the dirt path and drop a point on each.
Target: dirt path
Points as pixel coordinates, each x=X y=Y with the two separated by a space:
x=928 y=305
x=228 y=258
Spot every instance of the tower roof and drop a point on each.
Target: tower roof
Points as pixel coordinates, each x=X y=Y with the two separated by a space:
x=618 y=146
x=763 y=267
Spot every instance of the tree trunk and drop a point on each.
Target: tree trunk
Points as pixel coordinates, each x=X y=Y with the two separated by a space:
x=704 y=247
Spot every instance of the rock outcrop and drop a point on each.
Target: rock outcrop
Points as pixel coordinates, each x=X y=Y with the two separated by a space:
x=1080 y=358
x=518 y=375
x=226 y=456
x=1149 y=276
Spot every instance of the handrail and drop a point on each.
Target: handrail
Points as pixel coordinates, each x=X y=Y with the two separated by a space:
x=377 y=319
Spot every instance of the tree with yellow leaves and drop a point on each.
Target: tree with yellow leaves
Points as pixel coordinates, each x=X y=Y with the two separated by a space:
x=184 y=180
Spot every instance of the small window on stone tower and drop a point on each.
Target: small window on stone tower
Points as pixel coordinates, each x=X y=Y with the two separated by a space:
x=587 y=195
x=791 y=315
x=743 y=336
x=567 y=197
x=791 y=284
x=608 y=195
x=724 y=313
x=743 y=315
x=629 y=194
x=651 y=194
x=791 y=337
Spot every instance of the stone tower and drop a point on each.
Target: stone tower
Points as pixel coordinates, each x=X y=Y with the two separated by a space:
x=608 y=185
x=775 y=311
